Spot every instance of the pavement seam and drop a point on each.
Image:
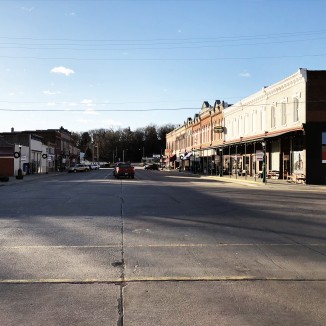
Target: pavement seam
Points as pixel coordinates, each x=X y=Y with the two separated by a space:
x=124 y=281
x=172 y=245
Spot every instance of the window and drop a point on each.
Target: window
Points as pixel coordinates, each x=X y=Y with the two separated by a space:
x=254 y=115
x=283 y=113
x=245 y=122
x=295 y=109
x=273 y=118
x=263 y=119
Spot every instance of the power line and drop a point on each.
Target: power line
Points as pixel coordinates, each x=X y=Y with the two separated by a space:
x=100 y=110
x=51 y=47
x=144 y=110
x=217 y=38
x=168 y=59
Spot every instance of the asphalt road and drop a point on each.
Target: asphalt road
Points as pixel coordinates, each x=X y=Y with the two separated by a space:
x=163 y=249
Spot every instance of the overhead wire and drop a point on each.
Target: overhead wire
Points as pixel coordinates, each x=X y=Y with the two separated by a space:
x=141 y=110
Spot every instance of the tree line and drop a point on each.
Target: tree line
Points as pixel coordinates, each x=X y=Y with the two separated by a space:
x=113 y=145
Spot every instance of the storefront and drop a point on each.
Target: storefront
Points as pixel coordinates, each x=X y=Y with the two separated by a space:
x=278 y=156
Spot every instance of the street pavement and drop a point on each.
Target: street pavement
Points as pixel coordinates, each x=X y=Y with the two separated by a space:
x=250 y=181
x=167 y=248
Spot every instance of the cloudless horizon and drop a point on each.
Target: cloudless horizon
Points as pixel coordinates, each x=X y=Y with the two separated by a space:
x=92 y=64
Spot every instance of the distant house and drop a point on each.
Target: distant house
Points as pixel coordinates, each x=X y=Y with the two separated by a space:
x=40 y=151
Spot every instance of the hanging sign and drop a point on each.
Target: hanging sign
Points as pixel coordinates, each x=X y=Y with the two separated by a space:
x=219 y=129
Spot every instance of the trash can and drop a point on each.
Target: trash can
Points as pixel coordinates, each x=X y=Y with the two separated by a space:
x=26 y=168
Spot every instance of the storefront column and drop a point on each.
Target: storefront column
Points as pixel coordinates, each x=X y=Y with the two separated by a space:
x=230 y=163
x=245 y=161
x=255 y=161
x=236 y=161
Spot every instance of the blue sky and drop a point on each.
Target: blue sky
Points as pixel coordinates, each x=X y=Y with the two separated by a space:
x=114 y=64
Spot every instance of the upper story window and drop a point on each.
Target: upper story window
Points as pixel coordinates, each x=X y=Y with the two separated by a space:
x=245 y=123
x=254 y=121
x=283 y=114
x=273 y=117
x=263 y=119
x=295 y=109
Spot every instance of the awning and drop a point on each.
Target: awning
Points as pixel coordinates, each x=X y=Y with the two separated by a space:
x=261 y=138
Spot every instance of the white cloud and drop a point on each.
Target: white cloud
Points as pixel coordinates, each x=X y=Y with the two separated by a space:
x=95 y=123
x=87 y=102
x=28 y=9
x=62 y=70
x=245 y=74
x=48 y=92
x=90 y=111
x=51 y=104
x=112 y=123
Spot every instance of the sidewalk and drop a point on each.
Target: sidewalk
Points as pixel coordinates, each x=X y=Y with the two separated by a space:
x=30 y=177
x=258 y=182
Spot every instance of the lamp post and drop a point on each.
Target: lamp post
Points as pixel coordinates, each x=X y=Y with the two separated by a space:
x=20 y=171
x=221 y=162
x=143 y=157
x=263 y=144
x=123 y=154
x=20 y=157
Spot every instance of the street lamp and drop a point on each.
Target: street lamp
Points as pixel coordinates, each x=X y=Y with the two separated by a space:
x=20 y=156
x=20 y=171
x=123 y=154
x=221 y=162
x=143 y=157
x=263 y=144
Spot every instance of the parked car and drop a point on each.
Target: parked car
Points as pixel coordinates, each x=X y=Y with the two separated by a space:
x=94 y=166
x=79 y=168
x=151 y=167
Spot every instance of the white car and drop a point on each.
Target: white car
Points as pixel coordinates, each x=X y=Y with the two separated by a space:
x=79 y=168
x=94 y=166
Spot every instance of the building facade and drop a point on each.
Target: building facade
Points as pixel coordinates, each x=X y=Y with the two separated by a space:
x=65 y=152
x=26 y=151
x=278 y=132
x=38 y=151
x=192 y=146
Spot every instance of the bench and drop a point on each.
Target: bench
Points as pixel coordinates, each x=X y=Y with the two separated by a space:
x=296 y=178
x=273 y=174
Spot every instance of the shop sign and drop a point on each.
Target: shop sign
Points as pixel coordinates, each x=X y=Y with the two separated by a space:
x=219 y=129
x=260 y=156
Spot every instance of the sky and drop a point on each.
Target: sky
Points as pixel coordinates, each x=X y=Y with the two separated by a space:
x=106 y=64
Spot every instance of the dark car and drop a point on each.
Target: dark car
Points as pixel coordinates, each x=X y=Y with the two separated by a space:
x=151 y=167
